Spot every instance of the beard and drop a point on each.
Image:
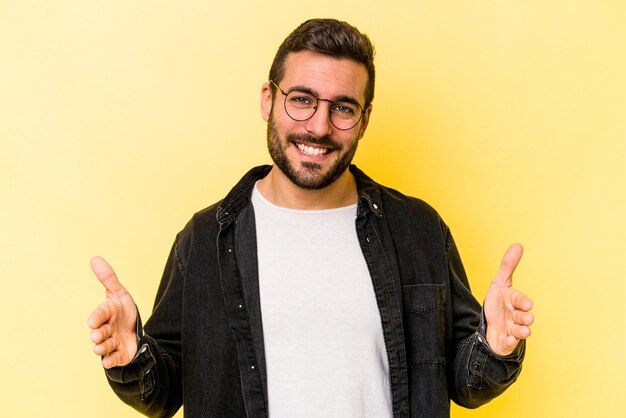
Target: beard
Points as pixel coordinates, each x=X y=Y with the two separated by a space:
x=310 y=176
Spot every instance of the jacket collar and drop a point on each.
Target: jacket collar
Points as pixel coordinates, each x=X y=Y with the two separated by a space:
x=239 y=197
x=369 y=193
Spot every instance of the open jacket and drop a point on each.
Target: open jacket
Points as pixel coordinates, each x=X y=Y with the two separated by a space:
x=203 y=345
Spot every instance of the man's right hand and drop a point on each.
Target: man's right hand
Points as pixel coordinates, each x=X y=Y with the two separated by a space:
x=113 y=322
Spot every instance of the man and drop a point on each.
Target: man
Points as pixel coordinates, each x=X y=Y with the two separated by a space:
x=310 y=290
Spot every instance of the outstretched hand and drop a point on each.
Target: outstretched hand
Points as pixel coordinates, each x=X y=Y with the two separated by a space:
x=113 y=322
x=507 y=310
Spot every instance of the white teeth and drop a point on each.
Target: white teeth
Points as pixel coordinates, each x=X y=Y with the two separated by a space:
x=311 y=150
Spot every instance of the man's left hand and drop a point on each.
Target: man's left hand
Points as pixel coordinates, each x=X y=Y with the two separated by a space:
x=507 y=310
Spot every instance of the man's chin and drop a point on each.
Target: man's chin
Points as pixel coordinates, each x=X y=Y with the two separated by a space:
x=309 y=182
x=312 y=177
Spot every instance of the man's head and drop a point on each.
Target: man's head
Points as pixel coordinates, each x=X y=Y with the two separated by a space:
x=318 y=101
x=332 y=38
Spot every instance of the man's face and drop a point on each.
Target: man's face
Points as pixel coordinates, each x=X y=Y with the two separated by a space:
x=314 y=153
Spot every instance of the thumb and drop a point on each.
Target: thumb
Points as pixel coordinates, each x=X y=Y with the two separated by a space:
x=106 y=275
x=508 y=265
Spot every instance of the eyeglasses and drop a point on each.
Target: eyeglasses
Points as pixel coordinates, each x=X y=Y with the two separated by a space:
x=301 y=105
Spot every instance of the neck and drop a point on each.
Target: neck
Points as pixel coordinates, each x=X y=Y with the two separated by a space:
x=279 y=190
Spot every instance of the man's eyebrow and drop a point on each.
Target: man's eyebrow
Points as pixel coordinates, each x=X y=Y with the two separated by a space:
x=348 y=99
x=340 y=98
x=303 y=89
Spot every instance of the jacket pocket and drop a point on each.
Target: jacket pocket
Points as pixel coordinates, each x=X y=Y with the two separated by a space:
x=424 y=324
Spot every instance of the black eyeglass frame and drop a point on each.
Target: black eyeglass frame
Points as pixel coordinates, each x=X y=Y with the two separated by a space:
x=317 y=99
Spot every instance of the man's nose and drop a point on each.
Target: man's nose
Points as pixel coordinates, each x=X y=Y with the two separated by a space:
x=319 y=124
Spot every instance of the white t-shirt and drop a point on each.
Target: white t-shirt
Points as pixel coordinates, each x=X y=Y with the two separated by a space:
x=324 y=345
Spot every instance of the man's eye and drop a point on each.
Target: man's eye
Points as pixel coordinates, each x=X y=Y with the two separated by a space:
x=300 y=99
x=344 y=108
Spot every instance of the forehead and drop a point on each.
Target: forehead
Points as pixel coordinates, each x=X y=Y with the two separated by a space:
x=327 y=76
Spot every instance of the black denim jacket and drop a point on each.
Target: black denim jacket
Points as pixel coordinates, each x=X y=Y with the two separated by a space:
x=203 y=345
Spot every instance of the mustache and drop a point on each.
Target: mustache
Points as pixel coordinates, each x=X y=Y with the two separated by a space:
x=325 y=141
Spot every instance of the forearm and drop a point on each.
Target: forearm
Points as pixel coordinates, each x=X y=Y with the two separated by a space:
x=150 y=383
x=479 y=373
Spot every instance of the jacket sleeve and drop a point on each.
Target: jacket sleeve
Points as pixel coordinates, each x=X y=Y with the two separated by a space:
x=152 y=382
x=478 y=374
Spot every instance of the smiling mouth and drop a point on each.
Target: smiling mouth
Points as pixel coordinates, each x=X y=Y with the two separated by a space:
x=309 y=150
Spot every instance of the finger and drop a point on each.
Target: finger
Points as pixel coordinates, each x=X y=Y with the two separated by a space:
x=113 y=360
x=101 y=334
x=523 y=318
x=521 y=301
x=509 y=345
x=508 y=265
x=100 y=315
x=520 y=332
x=106 y=275
x=109 y=361
x=105 y=347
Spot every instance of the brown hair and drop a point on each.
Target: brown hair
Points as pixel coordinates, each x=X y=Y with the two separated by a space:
x=328 y=37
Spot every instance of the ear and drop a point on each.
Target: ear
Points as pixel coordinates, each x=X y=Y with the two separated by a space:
x=266 y=101
x=365 y=121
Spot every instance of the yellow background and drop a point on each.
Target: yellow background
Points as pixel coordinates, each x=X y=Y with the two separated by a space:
x=118 y=120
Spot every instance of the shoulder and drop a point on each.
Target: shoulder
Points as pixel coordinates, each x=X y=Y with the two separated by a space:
x=394 y=202
x=401 y=203
x=202 y=226
x=416 y=227
x=414 y=221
